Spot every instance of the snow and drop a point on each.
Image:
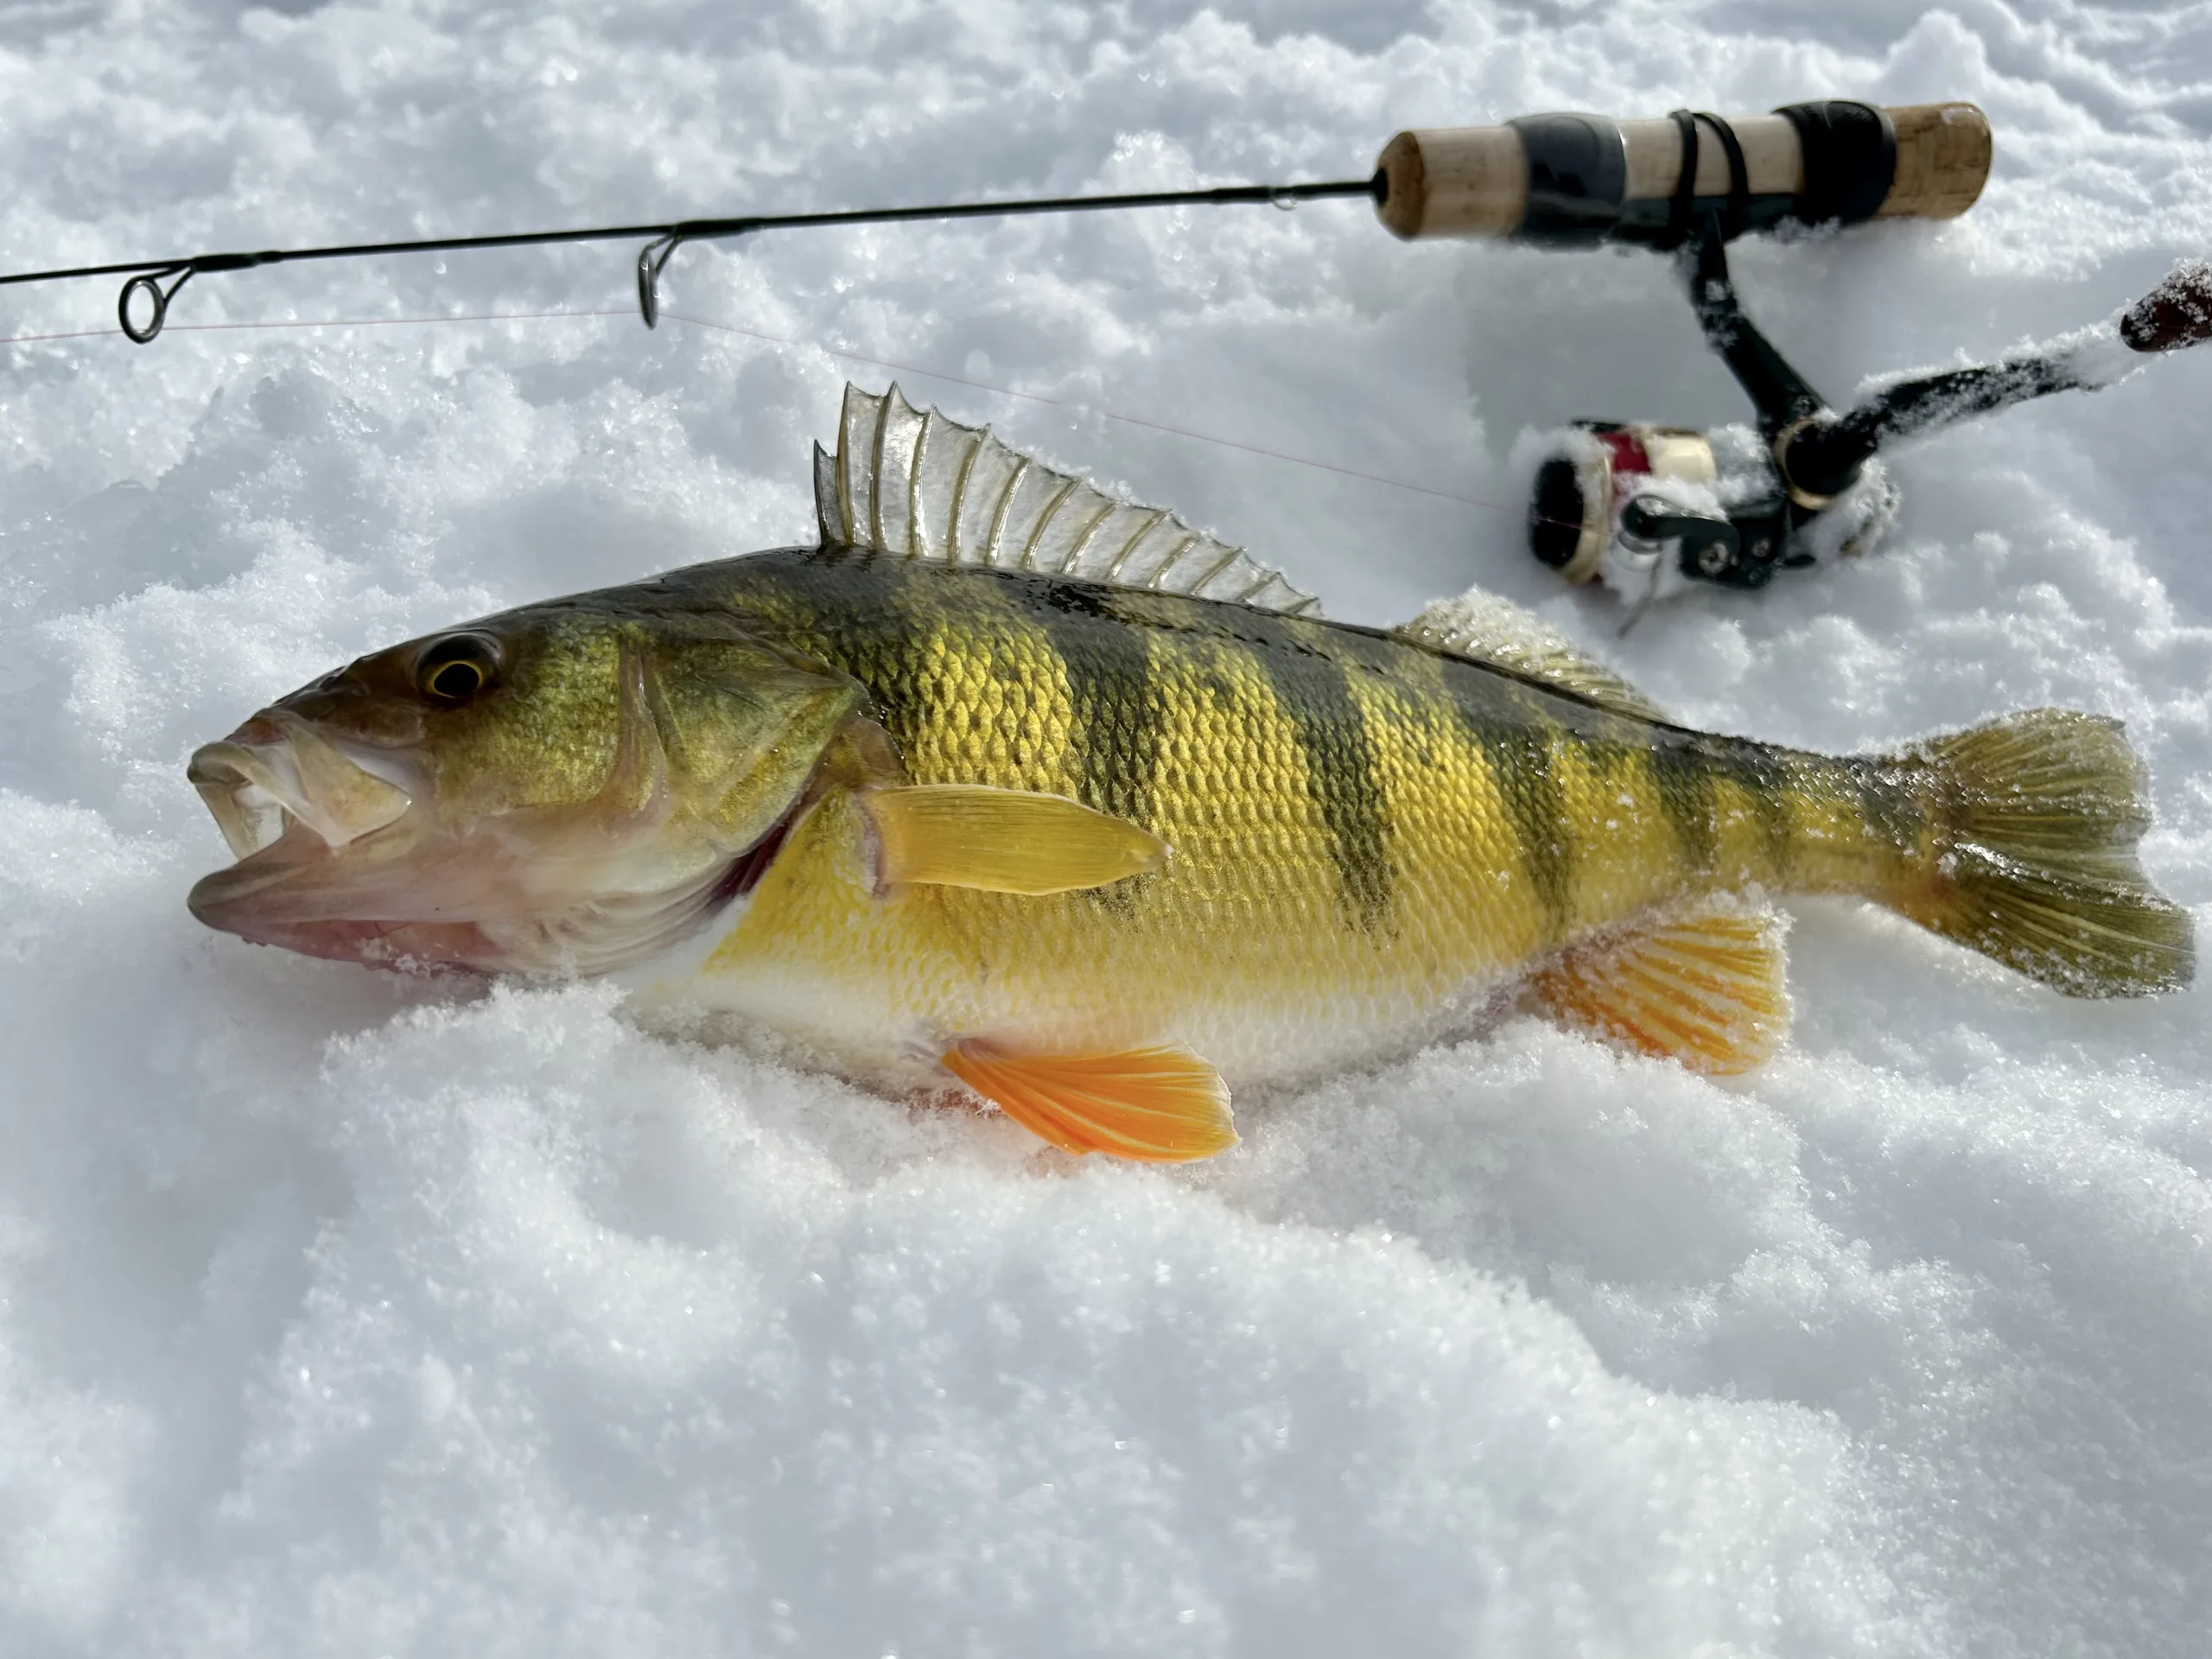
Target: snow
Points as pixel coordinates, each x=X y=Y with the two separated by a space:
x=345 y=1314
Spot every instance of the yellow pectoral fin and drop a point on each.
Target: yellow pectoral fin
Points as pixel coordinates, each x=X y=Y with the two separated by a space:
x=1160 y=1105
x=1004 y=839
x=1705 y=990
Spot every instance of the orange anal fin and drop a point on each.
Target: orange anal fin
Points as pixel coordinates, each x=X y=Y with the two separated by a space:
x=1704 y=990
x=1160 y=1105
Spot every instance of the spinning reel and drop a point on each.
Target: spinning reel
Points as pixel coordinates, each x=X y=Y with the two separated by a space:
x=1650 y=510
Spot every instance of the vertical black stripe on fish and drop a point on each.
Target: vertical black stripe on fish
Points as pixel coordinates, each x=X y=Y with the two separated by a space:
x=865 y=613
x=1116 y=714
x=1343 y=774
x=936 y=710
x=860 y=608
x=826 y=600
x=1116 y=711
x=1511 y=726
x=1520 y=759
x=1683 y=779
x=931 y=704
x=1307 y=666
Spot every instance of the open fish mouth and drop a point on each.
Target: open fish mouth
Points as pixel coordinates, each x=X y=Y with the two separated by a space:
x=328 y=859
x=276 y=771
x=336 y=860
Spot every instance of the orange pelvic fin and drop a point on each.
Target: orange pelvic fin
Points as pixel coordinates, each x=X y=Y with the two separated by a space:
x=1705 y=990
x=1159 y=1105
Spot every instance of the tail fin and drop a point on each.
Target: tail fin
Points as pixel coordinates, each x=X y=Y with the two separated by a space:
x=2035 y=858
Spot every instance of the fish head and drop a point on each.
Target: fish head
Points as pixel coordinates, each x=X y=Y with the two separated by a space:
x=564 y=789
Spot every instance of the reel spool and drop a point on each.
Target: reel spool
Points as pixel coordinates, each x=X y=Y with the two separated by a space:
x=1644 y=508
x=1651 y=509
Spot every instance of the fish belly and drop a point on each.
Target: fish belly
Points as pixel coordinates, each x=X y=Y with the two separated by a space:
x=881 y=985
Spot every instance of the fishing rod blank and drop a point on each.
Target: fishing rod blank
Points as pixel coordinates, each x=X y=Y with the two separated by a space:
x=1561 y=180
x=147 y=278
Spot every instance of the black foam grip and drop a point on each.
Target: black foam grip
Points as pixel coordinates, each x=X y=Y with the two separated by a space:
x=1578 y=174
x=1851 y=158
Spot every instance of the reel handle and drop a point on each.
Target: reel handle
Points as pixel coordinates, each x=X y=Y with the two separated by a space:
x=1578 y=181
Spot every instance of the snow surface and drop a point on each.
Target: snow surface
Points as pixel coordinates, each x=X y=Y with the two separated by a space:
x=342 y=1314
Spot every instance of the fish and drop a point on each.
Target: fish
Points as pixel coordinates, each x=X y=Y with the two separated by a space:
x=1011 y=789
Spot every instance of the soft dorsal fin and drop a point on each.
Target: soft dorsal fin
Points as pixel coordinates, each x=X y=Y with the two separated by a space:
x=1484 y=628
x=912 y=483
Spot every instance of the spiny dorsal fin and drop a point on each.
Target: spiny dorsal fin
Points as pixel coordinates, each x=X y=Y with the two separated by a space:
x=1484 y=628
x=906 y=482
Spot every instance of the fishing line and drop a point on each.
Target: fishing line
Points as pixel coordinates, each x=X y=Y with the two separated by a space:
x=1091 y=408
x=325 y=322
x=804 y=345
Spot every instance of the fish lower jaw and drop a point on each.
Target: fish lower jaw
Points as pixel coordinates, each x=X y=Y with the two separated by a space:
x=435 y=947
x=439 y=905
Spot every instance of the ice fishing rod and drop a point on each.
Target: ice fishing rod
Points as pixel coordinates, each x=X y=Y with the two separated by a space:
x=1644 y=508
x=1561 y=181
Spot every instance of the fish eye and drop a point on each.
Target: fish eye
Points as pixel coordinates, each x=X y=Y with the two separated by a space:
x=457 y=667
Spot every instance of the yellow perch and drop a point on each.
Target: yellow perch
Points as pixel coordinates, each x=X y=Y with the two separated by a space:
x=1008 y=782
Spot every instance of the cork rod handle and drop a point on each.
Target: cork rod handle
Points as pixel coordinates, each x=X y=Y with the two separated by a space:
x=1467 y=181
